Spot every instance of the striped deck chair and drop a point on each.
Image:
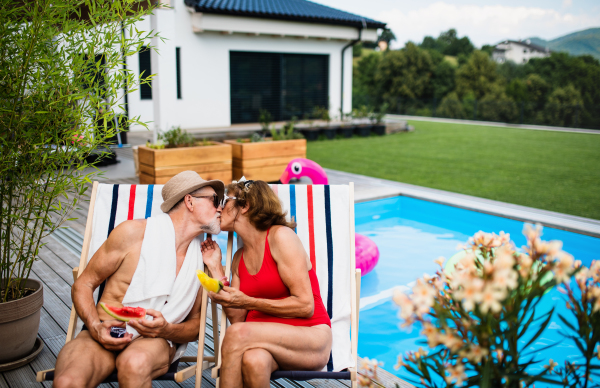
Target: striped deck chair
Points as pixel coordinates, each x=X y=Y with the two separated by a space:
x=325 y=225
x=109 y=206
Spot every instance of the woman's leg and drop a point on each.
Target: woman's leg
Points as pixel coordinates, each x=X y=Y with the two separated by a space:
x=255 y=365
x=292 y=347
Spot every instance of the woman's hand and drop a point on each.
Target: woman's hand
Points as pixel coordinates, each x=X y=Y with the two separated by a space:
x=211 y=255
x=229 y=297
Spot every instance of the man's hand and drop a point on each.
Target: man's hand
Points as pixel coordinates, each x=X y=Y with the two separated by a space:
x=229 y=297
x=211 y=255
x=156 y=328
x=101 y=333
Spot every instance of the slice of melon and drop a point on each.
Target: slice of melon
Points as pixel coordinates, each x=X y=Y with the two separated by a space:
x=209 y=283
x=124 y=314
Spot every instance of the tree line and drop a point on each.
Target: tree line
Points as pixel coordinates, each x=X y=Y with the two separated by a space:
x=448 y=77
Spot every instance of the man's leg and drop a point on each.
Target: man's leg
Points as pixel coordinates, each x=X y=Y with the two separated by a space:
x=143 y=360
x=292 y=347
x=83 y=362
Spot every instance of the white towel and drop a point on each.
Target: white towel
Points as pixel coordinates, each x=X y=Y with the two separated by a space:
x=155 y=284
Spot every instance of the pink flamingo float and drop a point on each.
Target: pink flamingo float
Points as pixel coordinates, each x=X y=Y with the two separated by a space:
x=367 y=253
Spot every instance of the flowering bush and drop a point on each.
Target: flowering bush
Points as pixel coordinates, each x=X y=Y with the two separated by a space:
x=368 y=373
x=476 y=314
x=583 y=302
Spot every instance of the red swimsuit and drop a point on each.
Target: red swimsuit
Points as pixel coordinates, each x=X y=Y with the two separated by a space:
x=267 y=284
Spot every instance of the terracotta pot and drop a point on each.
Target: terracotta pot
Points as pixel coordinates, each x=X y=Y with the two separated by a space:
x=19 y=324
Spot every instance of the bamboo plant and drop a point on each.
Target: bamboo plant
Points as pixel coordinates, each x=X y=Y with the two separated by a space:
x=62 y=75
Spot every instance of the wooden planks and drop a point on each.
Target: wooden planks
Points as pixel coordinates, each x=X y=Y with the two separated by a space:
x=54 y=270
x=211 y=162
x=224 y=176
x=264 y=160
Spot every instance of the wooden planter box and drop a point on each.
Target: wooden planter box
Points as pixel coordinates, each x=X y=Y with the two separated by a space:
x=211 y=162
x=264 y=160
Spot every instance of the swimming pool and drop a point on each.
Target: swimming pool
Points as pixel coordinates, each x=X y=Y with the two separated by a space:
x=410 y=234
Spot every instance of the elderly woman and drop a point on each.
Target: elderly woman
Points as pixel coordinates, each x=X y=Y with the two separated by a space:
x=274 y=304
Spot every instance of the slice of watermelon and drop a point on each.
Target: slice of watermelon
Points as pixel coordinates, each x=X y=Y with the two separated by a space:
x=124 y=314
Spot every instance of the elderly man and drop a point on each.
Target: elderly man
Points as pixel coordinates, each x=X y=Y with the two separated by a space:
x=162 y=250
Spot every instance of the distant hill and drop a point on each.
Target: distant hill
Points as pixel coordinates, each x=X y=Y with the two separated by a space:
x=577 y=43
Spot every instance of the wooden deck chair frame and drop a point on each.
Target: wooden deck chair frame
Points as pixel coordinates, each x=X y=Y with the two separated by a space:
x=180 y=376
x=355 y=278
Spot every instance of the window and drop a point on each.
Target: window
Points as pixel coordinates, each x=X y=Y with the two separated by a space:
x=145 y=71
x=286 y=85
x=178 y=70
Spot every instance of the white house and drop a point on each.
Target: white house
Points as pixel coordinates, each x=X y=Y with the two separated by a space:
x=518 y=51
x=224 y=60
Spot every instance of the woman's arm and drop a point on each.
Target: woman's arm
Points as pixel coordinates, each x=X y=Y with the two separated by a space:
x=211 y=255
x=292 y=264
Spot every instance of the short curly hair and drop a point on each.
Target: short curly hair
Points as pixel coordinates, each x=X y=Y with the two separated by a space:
x=265 y=209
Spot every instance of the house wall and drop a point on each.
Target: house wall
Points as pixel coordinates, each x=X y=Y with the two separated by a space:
x=205 y=75
x=517 y=53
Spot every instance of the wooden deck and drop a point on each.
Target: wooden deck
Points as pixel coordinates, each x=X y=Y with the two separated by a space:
x=57 y=258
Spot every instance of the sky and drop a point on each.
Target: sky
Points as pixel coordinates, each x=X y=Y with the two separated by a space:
x=483 y=21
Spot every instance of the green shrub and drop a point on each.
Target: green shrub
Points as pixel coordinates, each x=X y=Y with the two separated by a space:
x=60 y=75
x=176 y=138
x=451 y=107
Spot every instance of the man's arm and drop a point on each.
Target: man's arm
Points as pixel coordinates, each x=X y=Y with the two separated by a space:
x=105 y=262
x=186 y=331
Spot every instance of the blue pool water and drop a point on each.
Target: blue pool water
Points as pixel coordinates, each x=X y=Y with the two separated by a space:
x=410 y=234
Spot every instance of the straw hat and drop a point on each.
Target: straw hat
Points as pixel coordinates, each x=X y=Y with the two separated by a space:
x=184 y=183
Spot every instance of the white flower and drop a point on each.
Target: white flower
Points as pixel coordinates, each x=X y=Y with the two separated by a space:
x=432 y=334
x=491 y=298
x=504 y=258
x=406 y=306
x=440 y=261
x=470 y=293
x=475 y=353
x=423 y=293
x=456 y=372
x=506 y=278
x=563 y=265
x=451 y=342
x=532 y=233
x=551 y=365
x=595 y=294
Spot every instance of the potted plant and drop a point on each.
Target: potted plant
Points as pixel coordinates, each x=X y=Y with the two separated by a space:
x=266 y=158
x=310 y=131
x=59 y=77
x=362 y=125
x=177 y=151
x=346 y=129
x=265 y=118
x=377 y=118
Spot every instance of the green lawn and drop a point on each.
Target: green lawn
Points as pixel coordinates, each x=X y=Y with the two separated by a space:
x=547 y=170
